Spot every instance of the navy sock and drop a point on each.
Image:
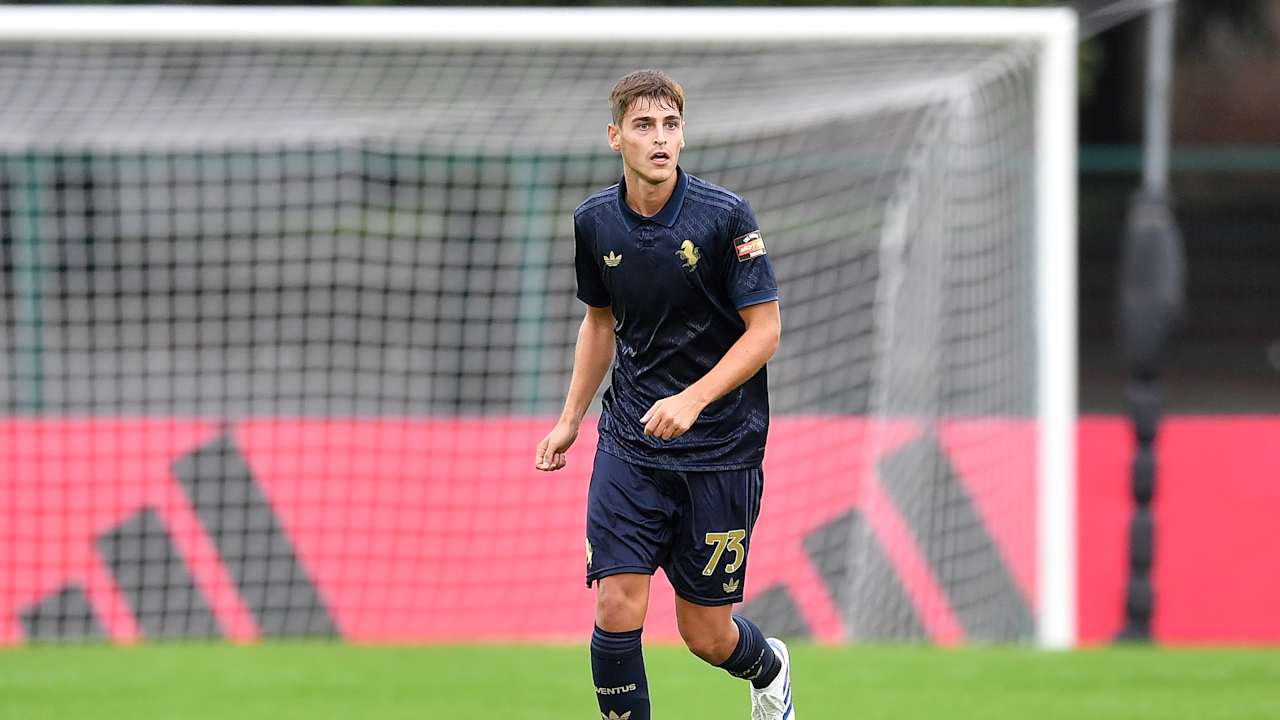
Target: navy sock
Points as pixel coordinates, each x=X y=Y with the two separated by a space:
x=753 y=659
x=617 y=666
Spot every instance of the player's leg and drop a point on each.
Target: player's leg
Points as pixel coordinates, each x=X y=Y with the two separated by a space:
x=729 y=641
x=617 y=658
x=707 y=568
x=708 y=631
x=629 y=527
x=622 y=601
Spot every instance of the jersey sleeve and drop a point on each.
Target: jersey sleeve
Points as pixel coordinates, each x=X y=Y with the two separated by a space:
x=749 y=277
x=591 y=289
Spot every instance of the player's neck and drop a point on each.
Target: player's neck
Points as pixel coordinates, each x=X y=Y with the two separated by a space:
x=646 y=198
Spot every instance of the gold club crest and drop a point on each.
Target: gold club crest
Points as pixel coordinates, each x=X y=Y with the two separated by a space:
x=690 y=254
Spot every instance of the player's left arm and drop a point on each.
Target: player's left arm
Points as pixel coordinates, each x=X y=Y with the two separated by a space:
x=672 y=416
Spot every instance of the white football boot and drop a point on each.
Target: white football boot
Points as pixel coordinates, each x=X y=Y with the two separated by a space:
x=774 y=701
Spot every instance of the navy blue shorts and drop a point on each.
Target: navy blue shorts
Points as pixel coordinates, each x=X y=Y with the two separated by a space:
x=695 y=525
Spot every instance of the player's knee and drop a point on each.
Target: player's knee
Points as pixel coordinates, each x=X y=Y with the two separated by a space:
x=618 y=610
x=712 y=644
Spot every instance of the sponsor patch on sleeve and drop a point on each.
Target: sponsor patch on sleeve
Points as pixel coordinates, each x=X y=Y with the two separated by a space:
x=749 y=246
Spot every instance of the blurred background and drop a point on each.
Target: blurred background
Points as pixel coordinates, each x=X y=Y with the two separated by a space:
x=1226 y=156
x=1177 y=454
x=1226 y=138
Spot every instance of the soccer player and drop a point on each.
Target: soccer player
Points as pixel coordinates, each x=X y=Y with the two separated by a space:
x=674 y=272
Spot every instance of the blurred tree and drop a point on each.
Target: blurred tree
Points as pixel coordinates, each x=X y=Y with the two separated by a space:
x=1251 y=20
x=1199 y=20
x=1243 y=17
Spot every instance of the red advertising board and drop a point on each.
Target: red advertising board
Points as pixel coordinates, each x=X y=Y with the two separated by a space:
x=405 y=530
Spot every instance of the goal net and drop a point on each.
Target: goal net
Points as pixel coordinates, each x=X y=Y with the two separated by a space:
x=288 y=302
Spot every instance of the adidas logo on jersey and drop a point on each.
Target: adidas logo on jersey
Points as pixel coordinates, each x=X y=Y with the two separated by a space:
x=615 y=716
x=731 y=587
x=612 y=260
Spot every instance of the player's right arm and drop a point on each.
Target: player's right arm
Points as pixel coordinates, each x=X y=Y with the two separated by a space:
x=591 y=359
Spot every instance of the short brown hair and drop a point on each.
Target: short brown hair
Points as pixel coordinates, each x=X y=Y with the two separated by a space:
x=652 y=84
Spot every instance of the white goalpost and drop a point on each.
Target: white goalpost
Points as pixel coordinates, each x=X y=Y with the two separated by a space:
x=343 y=215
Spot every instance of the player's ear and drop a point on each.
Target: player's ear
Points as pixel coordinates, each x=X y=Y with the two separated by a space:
x=615 y=141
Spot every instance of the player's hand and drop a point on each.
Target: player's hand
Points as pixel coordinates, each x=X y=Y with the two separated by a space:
x=671 y=417
x=552 y=449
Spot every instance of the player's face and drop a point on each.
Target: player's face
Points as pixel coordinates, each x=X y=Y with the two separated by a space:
x=649 y=137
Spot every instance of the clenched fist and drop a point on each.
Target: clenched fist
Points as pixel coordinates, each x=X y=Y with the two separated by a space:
x=552 y=449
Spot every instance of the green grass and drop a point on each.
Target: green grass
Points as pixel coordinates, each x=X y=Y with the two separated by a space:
x=313 y=681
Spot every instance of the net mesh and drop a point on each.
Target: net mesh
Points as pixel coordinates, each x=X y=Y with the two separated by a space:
x=283 y=324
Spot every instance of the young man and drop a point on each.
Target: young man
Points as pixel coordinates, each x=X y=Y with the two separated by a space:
x=674 y=271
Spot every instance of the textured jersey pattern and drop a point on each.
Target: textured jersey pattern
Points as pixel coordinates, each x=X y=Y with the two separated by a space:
x=675 y=284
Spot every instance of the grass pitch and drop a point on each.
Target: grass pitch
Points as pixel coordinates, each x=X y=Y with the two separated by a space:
x=314 y=681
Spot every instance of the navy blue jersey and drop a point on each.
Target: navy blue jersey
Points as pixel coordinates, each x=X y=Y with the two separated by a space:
x=675 y=282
